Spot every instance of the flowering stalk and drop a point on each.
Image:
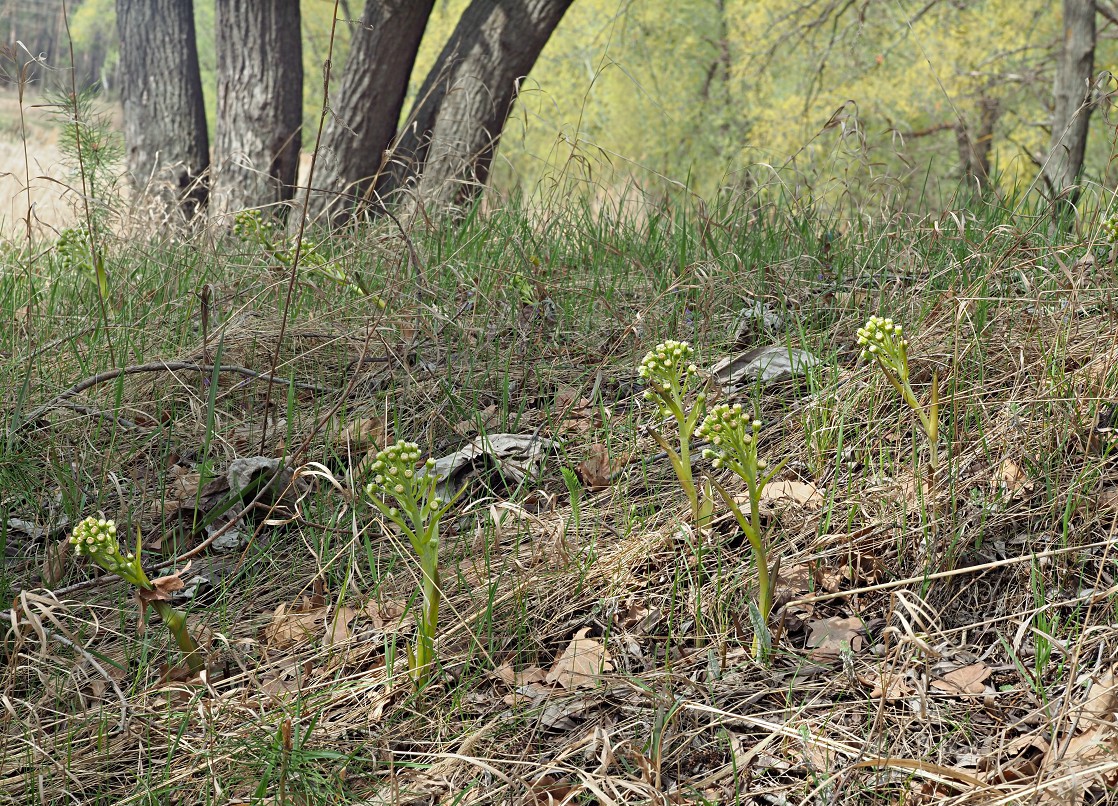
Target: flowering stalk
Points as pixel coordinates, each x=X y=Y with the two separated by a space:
x=733 y=445
x=417 y=512
x=96 y=538
x=883 y=341
x=669 y=373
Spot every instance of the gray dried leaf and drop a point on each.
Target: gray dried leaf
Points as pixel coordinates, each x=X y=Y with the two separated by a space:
x=518 y=456
x=766 y=364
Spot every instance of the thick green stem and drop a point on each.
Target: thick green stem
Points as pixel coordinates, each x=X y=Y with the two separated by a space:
x=681 y=464
x=686 y=479
x=429 y=618
x=176 y=623
x=753 y=534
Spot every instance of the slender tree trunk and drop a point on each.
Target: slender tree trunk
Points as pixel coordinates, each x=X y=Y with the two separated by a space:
x=974 y=147
x=161 y=89
x=447 y=146
x=367 y=109
x=259 y=103
x=1074 y=74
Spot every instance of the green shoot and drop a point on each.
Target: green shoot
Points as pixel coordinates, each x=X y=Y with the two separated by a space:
x=883 y=341
x=417 y=513
x=96 y=538
x=733 y=440
x=670 y=376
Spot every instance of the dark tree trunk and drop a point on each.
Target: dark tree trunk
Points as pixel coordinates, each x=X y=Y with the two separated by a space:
x=445 y=150
x=974 y=146
x=366 y=111
x=161 y=90
x=259 y=103
x=1074 y=74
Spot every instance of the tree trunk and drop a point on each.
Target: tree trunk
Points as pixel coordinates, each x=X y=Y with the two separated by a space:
x=1074 y=74
x=259 y=103
x=161 y=90
x=974 y=148
x=446 y=148
x=367 y=111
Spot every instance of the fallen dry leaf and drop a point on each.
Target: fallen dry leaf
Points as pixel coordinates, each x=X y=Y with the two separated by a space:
x=598 y=469
x=1101 y=701
x=891 y=686
x=362 y=433
x=581 y=663
x=769 y=363
x=288 y=628
x=512 y=678
x=788 y=490
x=577 y=414
x=389 y=616
x=1011 y=478
x=965 y=680
x=55 y=562
x=548 y=791
x=337 y=626
x=831 y=635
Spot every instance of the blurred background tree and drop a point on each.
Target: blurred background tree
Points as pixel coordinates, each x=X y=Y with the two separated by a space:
x=870 y=103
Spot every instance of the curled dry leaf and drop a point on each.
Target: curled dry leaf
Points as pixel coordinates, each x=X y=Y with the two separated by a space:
x=162 y=587
x=832 y=635
x=598 y=469
x=288 y=627
x=514 y=679
x=891 y=686
x=389 y=616
x=965 y=680
x=581 y=663
x=785 y=491
x=1011 y=478
x=55 y=563
x=337 y=626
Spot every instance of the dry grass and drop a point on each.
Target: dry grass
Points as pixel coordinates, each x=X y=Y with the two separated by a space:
x=315 y=706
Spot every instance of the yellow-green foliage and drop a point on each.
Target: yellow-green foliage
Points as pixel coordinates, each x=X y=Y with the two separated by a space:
x=693 y=94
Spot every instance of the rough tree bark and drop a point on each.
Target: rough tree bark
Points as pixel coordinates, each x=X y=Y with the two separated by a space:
x=259 y=103
x=1074 y=74
x=161 y=90
x=974 y=147
x=444 y=153
x=367 y=108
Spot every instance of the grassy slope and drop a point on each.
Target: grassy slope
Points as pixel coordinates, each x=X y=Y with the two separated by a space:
x=508 y=311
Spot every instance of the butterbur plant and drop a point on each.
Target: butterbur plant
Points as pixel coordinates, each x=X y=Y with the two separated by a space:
x=883 y=342
x=733 y=445
x=407 y=497
x=671 y=376
x=96 y=538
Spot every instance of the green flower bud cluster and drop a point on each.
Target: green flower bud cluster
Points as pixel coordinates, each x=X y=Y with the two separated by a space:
x=397 y=478
x=733 y=439
x=668 y=361
x=416 y=513
x=96 y=538
x=1110 y=227
x=668 y=369
x=251 y=225
x=72 y=249
x=883 y=339
x=308 y=256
